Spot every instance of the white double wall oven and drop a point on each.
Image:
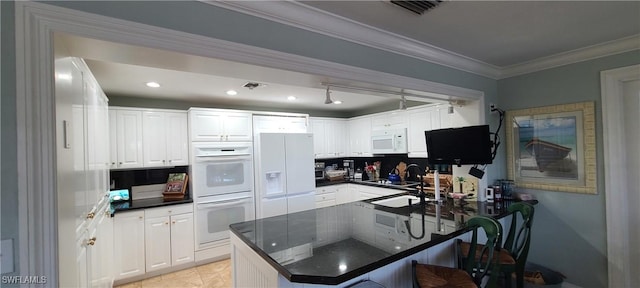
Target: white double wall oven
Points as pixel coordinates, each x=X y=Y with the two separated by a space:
x=222 y=179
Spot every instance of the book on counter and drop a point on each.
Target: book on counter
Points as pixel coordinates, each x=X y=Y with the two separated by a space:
x=176 y=186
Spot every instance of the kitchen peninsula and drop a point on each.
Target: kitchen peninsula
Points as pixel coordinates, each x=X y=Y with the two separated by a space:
x=344 y=244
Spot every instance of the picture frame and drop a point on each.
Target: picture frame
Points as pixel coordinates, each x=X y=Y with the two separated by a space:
x=553 y=148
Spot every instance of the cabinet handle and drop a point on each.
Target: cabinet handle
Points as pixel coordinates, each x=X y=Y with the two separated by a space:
x=91 y=215
x=221 y=137
x=169 y=161
x=120 y=163
x=169 y=211
x=226 y=137
x=140 y=217
x=166 y=223
x=163 y=161
x=174 y=222
x=92 y=241
x=113 y=163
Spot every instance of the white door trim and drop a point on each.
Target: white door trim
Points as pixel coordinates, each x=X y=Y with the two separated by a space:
x=35 y=25
x=615 y=173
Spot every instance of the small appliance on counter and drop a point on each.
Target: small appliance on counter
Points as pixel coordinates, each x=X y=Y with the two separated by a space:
x=119 y=198
x=319 y=170
x=348 y=166
x=358 y=174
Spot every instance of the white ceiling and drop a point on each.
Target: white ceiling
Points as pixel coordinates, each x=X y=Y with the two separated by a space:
x=500 y=34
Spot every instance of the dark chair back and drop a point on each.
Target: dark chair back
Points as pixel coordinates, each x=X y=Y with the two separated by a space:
x=518 y=239
x=480 y=266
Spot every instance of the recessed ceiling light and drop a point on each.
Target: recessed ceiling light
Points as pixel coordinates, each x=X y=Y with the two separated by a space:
x=153 y=84
x=337 y=102
x=291 y=98
x=232 y=92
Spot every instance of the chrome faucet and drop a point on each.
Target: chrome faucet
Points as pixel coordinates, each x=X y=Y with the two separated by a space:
x=422 y=195
x=420 y=191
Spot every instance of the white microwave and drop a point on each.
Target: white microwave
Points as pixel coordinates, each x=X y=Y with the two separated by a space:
x=389 y=141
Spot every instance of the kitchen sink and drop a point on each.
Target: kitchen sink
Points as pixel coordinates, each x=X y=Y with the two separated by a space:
x=399 y=201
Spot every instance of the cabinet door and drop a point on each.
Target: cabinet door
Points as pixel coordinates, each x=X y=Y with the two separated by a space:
x=154 y=138
x=206 y=125
x=113 y=142
x=82 y=260
x=129 y=138
x=387 y=121
x=336 y=138
x=360 y=137
x=128 y=243
x=105 y=251
x=177 y=138
x=182 y=243
x=237 y=127
x=343 y=194
x=319 y=138
x=157 y=233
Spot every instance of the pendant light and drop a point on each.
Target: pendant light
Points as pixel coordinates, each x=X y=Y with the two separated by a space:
x=328 y=100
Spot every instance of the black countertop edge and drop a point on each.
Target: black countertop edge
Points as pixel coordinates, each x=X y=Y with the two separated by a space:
x=325 y=183
x=326 y=280
x=148 y=203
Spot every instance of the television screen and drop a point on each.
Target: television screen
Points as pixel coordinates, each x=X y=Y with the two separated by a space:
x=459 y=146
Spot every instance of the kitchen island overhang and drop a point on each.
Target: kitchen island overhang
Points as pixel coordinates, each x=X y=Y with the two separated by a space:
x=339 y=245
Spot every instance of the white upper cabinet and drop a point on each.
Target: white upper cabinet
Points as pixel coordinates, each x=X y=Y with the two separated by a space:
x=421 y=120
x=219 y=125
x=128 y=138
x=280 y=124
x=329 y=137
x=165 y=138
x=389 y=121
x=360 y=137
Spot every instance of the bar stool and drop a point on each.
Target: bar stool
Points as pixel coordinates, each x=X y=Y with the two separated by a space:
x=516 y=247
x=425 y=275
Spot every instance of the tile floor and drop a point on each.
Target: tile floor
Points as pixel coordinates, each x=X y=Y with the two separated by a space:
x=212 y=275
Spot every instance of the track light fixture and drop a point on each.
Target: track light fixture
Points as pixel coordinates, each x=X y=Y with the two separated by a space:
x=403 y=103
x=328 y=100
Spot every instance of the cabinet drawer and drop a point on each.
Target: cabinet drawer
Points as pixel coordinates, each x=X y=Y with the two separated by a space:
x=325 y=197
x=169 y=210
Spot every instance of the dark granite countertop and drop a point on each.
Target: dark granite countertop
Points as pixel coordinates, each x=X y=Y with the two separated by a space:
x=380 y=184
x=343 y=241
x=145 y=203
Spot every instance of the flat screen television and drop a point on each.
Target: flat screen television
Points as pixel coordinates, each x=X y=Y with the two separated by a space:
x=459 y=146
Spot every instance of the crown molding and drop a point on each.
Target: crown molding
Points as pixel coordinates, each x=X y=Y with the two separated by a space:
x=301 y=16
x=574 y=56
x=305 y=17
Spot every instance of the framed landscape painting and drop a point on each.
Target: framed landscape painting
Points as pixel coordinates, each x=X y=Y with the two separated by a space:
x=553 y=148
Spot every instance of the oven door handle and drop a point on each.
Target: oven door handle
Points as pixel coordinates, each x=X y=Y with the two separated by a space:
x=227 y=203
x=223 y=155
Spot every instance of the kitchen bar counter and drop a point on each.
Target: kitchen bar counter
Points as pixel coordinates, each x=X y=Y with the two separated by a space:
x=336 y=244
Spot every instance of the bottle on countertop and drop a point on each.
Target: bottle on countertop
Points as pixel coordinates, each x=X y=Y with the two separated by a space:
x=497 y=193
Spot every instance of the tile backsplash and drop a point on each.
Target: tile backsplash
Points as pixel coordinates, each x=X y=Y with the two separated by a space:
x=387 y=163
x=125 y=179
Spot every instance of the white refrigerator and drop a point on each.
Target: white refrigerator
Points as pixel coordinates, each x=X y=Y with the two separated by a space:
x=284 y=173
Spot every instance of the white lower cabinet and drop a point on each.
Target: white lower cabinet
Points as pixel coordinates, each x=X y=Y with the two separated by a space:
x=326 y=196
x=169 y=236
x=128 y=235
x=153 y=239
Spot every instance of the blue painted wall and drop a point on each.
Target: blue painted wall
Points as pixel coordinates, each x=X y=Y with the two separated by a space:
x=569 y=233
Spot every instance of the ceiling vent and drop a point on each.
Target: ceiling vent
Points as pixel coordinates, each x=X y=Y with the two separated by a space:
x=418 y=7
x=252 y=85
